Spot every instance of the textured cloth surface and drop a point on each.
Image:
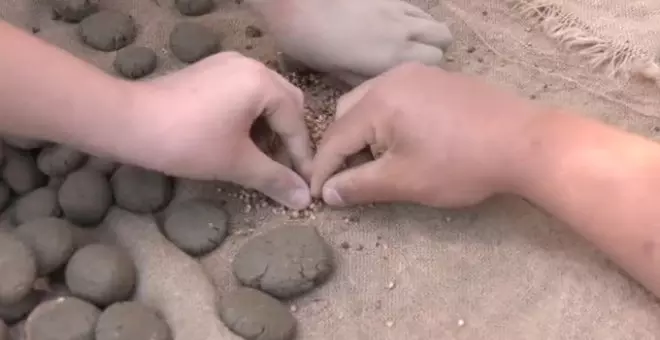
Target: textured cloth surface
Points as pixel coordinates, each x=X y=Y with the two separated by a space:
x=502 y=270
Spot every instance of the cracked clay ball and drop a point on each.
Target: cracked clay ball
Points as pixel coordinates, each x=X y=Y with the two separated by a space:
x=256 y=315
x=285 y=262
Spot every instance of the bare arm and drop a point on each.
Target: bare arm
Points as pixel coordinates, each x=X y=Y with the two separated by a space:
x=46 y=93
x=603 y=182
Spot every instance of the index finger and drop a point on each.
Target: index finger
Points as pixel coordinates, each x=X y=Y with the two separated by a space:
x=348 y=135
x=285 y=115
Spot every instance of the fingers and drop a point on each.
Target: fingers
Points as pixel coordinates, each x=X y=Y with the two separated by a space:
x=257 y=171
x=350 y=99
x=285 y=116
x=425 y=54
x=430 y=32
x=413 y=11
x=369 y=183
x=345 y=137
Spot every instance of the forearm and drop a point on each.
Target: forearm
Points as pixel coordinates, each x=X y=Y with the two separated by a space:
x=604 y=183
x=46 y=93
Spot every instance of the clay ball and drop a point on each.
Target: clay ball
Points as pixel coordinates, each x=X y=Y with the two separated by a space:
x=108 y=30
x=285 y=262
x=191 y=42
x=51 y=240
x=21 y=173
x=131 y=321
x=103 y=165
x=59 y=160
x=194 y=7
x=39 y=203
x=24 y=143
x=74 y=10
x=85 y=197
x=5 y=195
x=196 y=226
x=17 y=311
x=18 y=267
x=66 y=318
x=255 y=315
x=135 y=62
x=141 y=190
x=100 y=273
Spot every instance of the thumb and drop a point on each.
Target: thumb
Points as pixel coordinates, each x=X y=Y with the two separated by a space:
x=257 y=171
x=371 y=182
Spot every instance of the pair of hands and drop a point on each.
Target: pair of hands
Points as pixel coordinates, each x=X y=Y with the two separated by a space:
x=442 y=139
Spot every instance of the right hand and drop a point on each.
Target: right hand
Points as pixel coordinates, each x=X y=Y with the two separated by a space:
x=444 y=140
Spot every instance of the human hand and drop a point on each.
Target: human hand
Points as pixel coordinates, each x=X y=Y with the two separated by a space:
x=353 y=40
x=196 y=123
x=440 y=139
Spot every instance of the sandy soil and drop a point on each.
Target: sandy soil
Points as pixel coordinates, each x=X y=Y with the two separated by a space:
x=503 y=270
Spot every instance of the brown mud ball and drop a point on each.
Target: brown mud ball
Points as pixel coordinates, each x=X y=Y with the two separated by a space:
x=59 y=160
x=38 y=203
x=66 y=318
x=285 y=262
x=131 y=321
x=24 y=143
x=135 y=62
x=17 y=311
x=103 y=165
x=196 y=226
x=74 y=11
x=100 y=273
x=256 y=315
x=85 y=197
x=21 y=173
x=191 y=42
x=108 y=30
x=18 y=267
x=194 y=7
x=5 y=195
x=51 y=241
x=141 y=190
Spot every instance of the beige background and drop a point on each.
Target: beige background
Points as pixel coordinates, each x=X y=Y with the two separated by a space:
x=503 y=270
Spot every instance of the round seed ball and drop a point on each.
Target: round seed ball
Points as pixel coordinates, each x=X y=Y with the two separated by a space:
x=21 y=173
x=66 y=318
x=256 y=315
x=24 y=143
x=59 y=160
x=108 y=30
x=196 y=226
x=191 y=42
x=135 y=62
x=141 y=190
x=18 y=267
x=51 y=240
x=284 y=262
x=74 y=10
x=131 y=321
x=100 y=273
x=39 y=203
x=5 y=195
x=15 y=312
x=85 y=197
x=102 y=165
x=194 y=7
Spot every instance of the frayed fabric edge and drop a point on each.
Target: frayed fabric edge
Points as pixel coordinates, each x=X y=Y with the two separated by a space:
x=616 y=59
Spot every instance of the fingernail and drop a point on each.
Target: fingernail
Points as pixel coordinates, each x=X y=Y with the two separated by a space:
x=300 y=198
x=331 y=196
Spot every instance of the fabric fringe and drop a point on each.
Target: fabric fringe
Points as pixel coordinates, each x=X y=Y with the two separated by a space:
x=616 y=58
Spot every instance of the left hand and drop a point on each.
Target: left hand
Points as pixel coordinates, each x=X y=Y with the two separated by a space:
x=196 y=123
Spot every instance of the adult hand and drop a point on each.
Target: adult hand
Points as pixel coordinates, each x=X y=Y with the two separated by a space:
x=353 y=40
x=442 y=139
x=196 y=123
